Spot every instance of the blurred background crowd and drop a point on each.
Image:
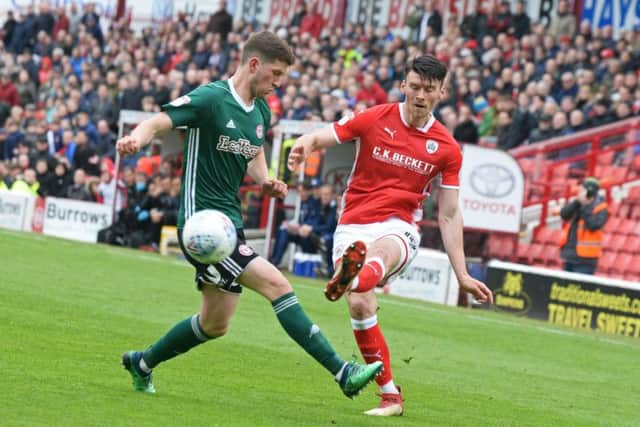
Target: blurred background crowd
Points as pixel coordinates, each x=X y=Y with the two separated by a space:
x=64 y=80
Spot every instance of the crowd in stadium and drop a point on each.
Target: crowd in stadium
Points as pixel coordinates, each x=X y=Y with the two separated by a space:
x=63 y=82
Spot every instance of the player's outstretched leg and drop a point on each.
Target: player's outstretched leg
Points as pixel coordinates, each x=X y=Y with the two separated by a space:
x=347 y=270
x=142 y=381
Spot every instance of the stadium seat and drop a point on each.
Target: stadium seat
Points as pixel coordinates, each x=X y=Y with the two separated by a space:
x=560 y=171
x=612 y=224
x=500 y=246
x=633 y=270
x=552 y=256
x=606 y=261
x=528 y=167
x=634 y=212
x=632 y=244
x=607 y=240
x=623 y=210
x=634 y=193
x=626 y=226
x=620 y=265
x=606 y=158
x=522 y=253
x=537 y=254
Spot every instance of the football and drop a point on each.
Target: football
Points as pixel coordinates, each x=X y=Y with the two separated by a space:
x=209 y=236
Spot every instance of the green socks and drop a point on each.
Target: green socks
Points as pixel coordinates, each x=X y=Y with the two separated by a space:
x=185 y=335
x=308 y=335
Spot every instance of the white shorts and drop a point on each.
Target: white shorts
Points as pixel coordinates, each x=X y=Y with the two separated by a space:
x=405 y=234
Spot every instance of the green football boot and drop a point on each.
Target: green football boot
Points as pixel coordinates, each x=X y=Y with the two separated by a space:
x=355 y=377
x=141 y=381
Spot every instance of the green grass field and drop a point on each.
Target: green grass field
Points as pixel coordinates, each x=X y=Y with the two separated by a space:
x=68 y=310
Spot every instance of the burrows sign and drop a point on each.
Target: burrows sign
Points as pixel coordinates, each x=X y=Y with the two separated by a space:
x=583 y=302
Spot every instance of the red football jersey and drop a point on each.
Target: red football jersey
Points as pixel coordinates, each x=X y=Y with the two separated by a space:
x=394 y=164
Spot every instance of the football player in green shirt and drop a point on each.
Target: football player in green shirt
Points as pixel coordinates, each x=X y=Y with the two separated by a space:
x=225 y=123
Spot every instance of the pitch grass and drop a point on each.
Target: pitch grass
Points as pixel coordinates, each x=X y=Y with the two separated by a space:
x=68 y=310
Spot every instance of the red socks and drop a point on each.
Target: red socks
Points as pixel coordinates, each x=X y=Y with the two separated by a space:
x=370 y=275
x=373 y=346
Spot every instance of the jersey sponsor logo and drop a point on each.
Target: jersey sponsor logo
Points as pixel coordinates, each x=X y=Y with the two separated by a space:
x=432 y=146
x=242 y=147
x=402 y=160
x=390 y=132
x=178 y=102
x=259 y=131
x=230 y=124
x=245 y=250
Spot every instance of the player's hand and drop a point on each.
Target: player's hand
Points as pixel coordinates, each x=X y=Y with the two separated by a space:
x=275 y=188
x=128 y=145
x=299 y=152
x=479 y=290
x=305 y=231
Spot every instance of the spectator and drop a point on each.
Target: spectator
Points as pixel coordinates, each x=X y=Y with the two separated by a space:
x=78 y=190
x=300 y=12
x=106 y=141
x=371 y=93
x=41 y=152
x=297 y=231
x=563 y=23
x=544 y=129
x=13 y=136
x=85 y=156
x=584 y=219
x=8 y=27
x=26 y=88
x=322 y=231
x=312 y=22
x=26 y=183
x=105 y=108
x=600 y=114
x=466 y=129
x=500 y=21
x=8 y=92
x=475 y=25
x=60 y=182
x=44 y=176
x=577 y=121
x=221 y=22
x=61 y=24
x=5 y=177
x=559 y=124
x=520 y=23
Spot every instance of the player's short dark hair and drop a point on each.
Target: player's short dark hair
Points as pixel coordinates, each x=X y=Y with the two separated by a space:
x=427 y=67
x=268 y=47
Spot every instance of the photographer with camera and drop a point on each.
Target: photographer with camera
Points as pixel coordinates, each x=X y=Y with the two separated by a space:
x=581 y=238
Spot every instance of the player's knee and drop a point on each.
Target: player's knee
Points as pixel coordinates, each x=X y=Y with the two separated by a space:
x=214 y=329
x=361 y=308
x=278 y=285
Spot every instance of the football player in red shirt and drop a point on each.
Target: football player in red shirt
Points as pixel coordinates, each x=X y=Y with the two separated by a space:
x=400 y=148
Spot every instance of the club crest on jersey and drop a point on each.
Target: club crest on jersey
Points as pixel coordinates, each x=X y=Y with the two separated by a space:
x=259 y=131
x=432 y=146
x=245 y=250
x=178 y=102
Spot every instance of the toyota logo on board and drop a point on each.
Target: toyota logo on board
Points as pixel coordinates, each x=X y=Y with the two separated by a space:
x=493 y=181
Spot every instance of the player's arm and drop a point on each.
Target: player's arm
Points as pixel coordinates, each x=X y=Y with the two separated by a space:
x=308 y=143
x=142 y=135
x=258 y=171
x=451 y=228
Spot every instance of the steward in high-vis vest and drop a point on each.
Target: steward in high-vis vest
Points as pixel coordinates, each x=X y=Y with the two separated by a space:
x=581 y=238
